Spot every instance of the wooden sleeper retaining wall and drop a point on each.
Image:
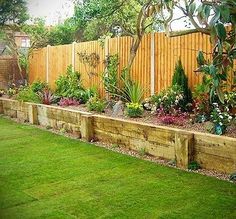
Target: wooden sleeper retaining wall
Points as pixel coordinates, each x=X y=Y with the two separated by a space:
x=210 y=151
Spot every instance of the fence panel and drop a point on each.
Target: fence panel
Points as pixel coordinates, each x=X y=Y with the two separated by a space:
x=38 y=65
x=89 y=61
x=153 y=66
x=60 y=57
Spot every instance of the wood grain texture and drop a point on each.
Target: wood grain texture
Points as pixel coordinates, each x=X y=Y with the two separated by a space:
x=166 y=53
x=210 y=151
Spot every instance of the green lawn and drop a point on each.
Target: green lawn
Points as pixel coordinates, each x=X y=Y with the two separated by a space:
x=43 y=175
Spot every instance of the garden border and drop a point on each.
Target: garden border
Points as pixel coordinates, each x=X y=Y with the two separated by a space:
x=210 y=151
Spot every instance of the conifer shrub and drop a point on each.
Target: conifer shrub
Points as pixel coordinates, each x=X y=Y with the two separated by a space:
x=180 y=79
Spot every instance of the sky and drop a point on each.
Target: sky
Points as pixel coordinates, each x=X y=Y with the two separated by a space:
x=53 y=11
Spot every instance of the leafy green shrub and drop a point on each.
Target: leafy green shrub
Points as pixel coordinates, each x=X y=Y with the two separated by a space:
x=96 y=104
x=132 y=91
x=26 y=94
x=12 y=91
x=194 y=165
x=70 y=85
x=38 y=86
x=180 y=79
x=230 y=99
x=170 y=99
x=125 y=89
x=201 y=101
x=87 y=94
x=221 y=119
x=110 y=76
x=134 y=110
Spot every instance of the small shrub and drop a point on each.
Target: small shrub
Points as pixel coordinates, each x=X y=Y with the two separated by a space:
x=87 y=94
x=221 y=119
x=110 y=76
x=201 y=101
x=96 y=104
x=70 y=85
x=133 y=92
x=180 y=79
x=230 y=100
x=148 y=104
x=38 y=86
x=134 y=110
x=176 y=118
x=168 y=119
x=46 y=97
x=12 y=92
x=26 y=94
x=169 y=99
x=68 y=102
x=194 y=165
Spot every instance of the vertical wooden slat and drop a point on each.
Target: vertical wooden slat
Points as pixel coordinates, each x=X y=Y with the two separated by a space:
x=166 y=53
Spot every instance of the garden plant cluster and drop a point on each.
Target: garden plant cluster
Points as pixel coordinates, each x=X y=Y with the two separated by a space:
x=175 y=105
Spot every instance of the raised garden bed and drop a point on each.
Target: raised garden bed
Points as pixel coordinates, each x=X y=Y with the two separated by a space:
x=183 y=147
x=150 y=118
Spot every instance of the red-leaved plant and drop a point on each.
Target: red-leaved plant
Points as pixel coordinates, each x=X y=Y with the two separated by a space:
x=176 y=117
x=65 y=101
x=46 y=96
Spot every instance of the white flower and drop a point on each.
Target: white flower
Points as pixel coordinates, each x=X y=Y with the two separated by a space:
x=221 y=116
x=220 y=123
x=230 y=117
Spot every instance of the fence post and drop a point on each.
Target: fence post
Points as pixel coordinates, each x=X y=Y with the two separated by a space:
x=152 y=63
x=47 y=64
x=73 y=56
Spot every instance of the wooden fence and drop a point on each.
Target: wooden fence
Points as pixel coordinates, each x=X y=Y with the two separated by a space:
x=10 y=72
x=153 y=66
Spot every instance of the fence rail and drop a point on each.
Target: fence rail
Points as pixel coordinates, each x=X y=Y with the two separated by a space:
x=153 y=66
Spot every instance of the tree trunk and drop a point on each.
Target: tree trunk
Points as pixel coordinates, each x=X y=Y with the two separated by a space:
x=133 y=52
